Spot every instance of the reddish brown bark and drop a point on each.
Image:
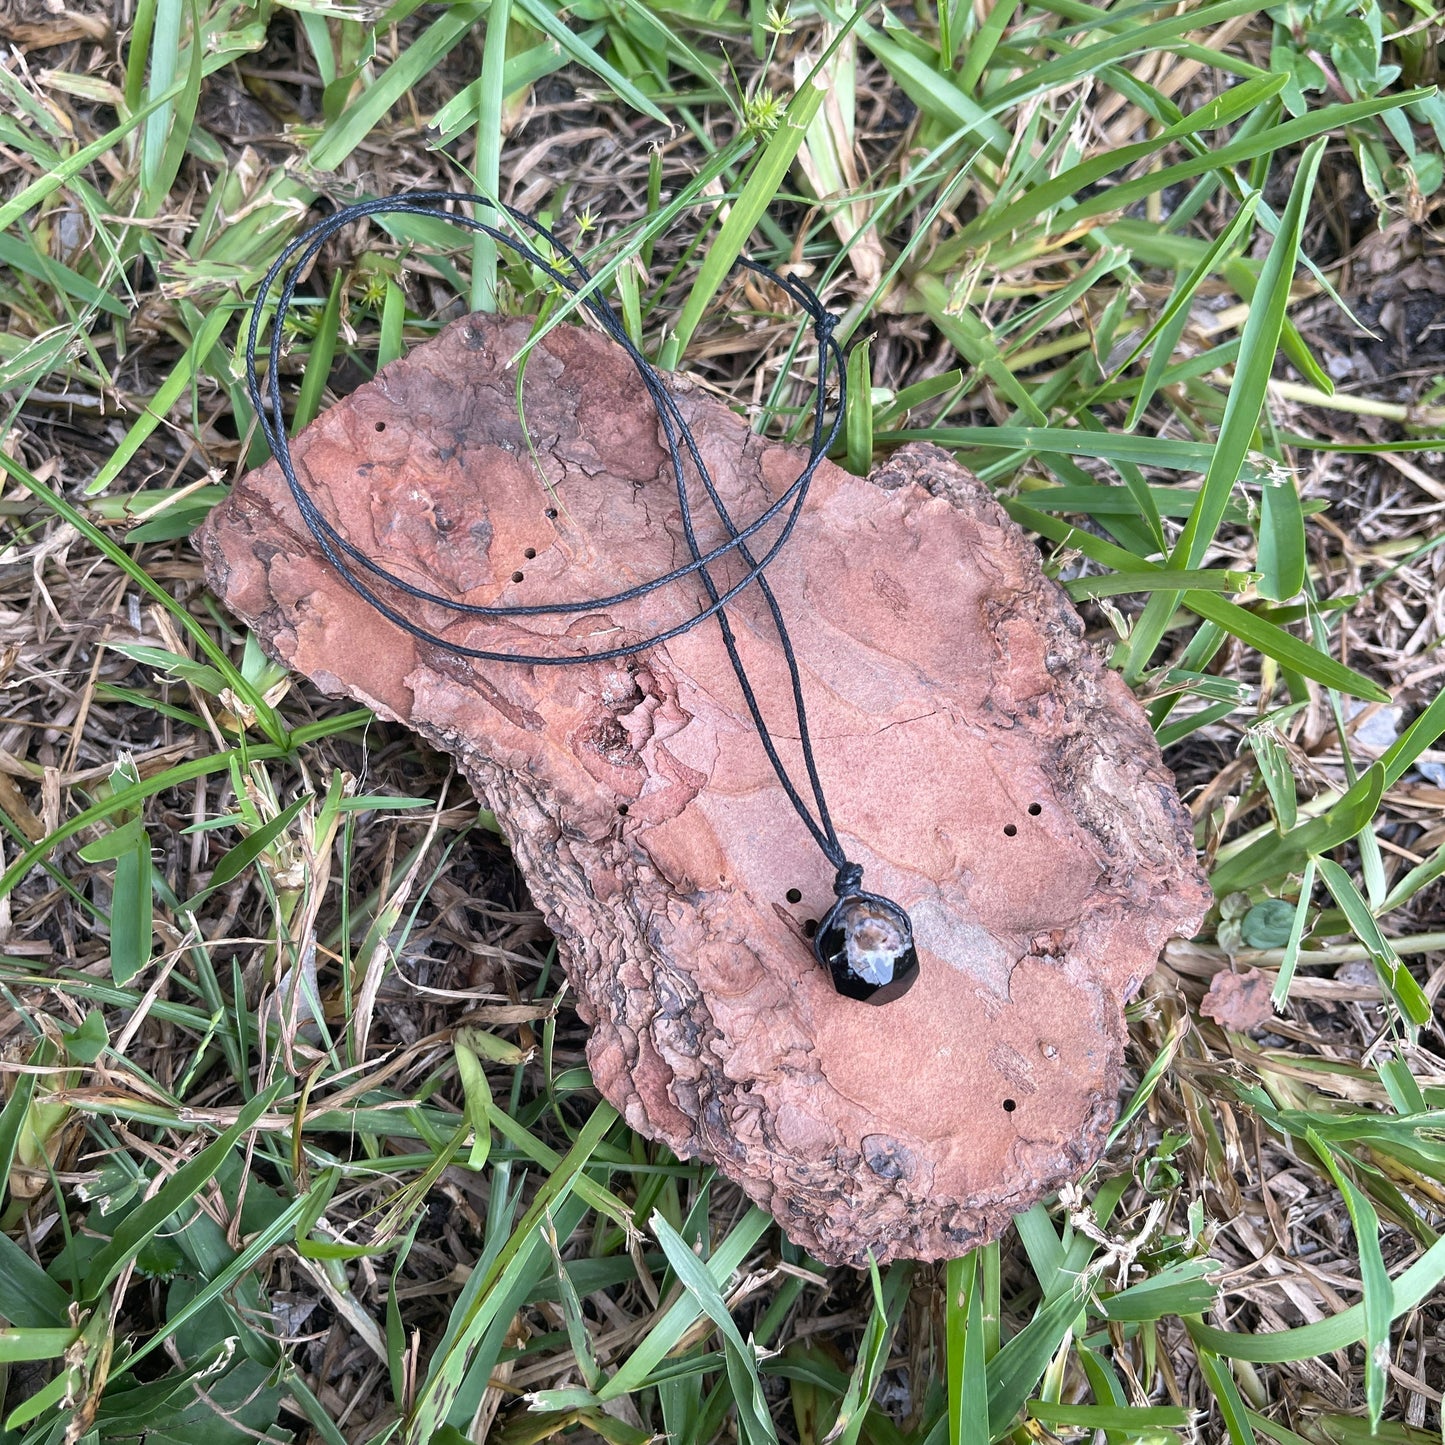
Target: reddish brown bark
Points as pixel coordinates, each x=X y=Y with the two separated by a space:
x=990 y=773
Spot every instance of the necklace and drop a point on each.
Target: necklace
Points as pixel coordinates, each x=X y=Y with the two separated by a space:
x=864 y=941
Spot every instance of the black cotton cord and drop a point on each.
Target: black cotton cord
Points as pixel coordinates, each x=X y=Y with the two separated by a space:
x=350 y=562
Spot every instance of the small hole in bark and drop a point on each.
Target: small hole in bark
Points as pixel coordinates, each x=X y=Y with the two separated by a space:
x=1009 y=829
x=550 y=514
x=1035 y=809
x=1009 y=1106
x=794 y=896
x=810 y=928
x=622 y=808
x=381 y=426
x=516 y=576
x=529 y=553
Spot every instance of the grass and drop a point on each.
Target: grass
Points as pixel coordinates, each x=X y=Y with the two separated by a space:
x=298 y=1140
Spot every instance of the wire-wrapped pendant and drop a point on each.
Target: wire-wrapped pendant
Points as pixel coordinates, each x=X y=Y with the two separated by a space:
x=866 y=944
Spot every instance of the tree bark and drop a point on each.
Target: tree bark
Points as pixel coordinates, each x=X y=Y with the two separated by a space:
x=986 y=768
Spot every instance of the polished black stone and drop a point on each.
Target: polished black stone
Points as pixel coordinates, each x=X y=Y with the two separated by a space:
x=866 y=944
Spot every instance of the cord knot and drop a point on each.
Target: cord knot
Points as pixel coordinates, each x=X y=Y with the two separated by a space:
x=849 y=879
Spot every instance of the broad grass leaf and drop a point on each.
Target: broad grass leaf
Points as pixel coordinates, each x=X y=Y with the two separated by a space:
x=27 y=257
x=1041 y=1242
x=572 y=44
x=1275 y=856
x=477 y=1095
x=1227 y=1398
x=167 y=136
x=1348 y=1327
x=1135 y=1420
x=967 y=1352
x=1276 y=771
x=1323 y=122
x=1374 y=1278
x=1409 y=997
x=755 y=1421
x=1287 y=649
x=72 y=165
x=414 y=64
x=1185 y=1288
x=490 y=1287
x=1168 y=453
x=936 y=94
x=1420 y=876
x=487 y=160
x=16 y=1113
x=858 y=415
x=888 y=1303
x=205 y=643
x=1281 y=557
x=29 y=1298
x=1421 y=734
x=1259 y=345
x=723 y=1260
x=135 y=793
x=318 y=360
x=132 y=911
x=1016 y=1370
x=236 y=860
x=758 y=193
x=19 y=1345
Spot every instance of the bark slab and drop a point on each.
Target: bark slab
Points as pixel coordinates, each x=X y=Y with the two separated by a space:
x=983 y=765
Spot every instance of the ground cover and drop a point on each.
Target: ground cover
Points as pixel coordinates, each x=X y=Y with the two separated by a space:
x=1166 y=278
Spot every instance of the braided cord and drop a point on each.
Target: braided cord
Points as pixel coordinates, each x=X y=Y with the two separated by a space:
x=361 y=572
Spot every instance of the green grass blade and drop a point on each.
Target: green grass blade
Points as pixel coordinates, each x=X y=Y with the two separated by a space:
x=1288 y=963
x=543 y=17
x=171 y=128
x=182 y=1186
x=1340 y=1331
x=132 y=912
x=1286 y=649
x=1400 y=756
x=1327 y=120
x=1281 y=540
x=28 y=1296
x=758 y=193
x=858 y=421
x=1409 y=997
x=265 y=713
x=419 y=59
x=17 y=1345
x=448 y=1366
x=721 y=1262
x=1275 y=856
x=1226 y=1396
x=1258 y=349
x=937 y=94
x=489 y=149
x=33 y=194
x=183 y=375
x=127 y=797
x=1374 y=1277
x=1018 y=1367
x=755 y=1420
x=165 y=54
x=968 y=1419
x=318 y=360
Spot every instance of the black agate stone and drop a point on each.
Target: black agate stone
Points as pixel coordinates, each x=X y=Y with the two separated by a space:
x=866 y=944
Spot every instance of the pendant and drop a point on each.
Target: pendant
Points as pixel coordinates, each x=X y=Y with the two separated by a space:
x=866 y=944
